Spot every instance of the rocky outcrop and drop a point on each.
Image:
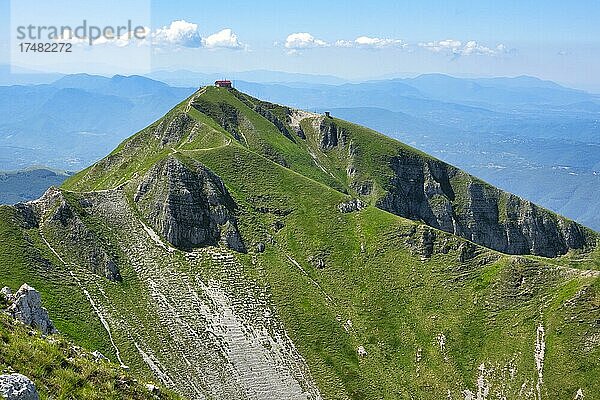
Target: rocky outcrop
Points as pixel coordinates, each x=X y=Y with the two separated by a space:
x=6 y=295
x=65 y=219
x=295 y=118
x=351 y=206
x=188 y=205
x=172 y=130
x=363 y=188
x=28 y=215
x=17 y=387
x=272 y=118
x=26 y=306
x=331 y=134
x=446 y=198
x=226 y=115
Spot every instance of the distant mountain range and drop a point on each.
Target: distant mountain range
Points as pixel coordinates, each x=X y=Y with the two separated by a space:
x=19 y=186
x=69 y=123
x=533 y=137
x=189 y=78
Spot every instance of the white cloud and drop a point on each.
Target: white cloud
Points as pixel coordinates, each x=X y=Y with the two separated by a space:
x=303 y=40
x=448 y=45
x=472 y=47
x=371 y=42
x=457 y=48
x=179 y=33
x=182 y=33
x=125 y=39
x=222 y=39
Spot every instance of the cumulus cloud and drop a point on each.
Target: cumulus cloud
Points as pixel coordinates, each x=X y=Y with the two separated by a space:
x=182 y=33
x=371 y=43
x=179 y=33
x=222 y=39
x=303 y=40
x=458 y=48
x=472 y=47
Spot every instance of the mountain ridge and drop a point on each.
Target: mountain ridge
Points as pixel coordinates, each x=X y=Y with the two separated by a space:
x=427 y=194
x=333 y=297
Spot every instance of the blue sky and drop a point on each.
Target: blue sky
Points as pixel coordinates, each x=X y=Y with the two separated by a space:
x=355 y=39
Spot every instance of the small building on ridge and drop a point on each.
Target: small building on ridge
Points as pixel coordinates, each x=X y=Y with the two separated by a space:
x=224 y=83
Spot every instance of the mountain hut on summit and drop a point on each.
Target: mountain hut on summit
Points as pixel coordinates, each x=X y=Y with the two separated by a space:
x=223 y=83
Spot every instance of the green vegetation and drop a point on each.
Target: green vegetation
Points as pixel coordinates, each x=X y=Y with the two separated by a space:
x=434 y=313
x=28 y=260
x=397 y=302
x=61 y=370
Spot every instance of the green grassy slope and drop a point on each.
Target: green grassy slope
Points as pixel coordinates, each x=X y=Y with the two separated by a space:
x=434 y=313
x=26 y=259
x=487 y=308
x=350 y=159
x=61 y=370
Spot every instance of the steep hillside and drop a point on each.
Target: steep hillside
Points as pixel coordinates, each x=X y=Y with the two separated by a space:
x=241 y=249
x=60 y=369
x=360 y=162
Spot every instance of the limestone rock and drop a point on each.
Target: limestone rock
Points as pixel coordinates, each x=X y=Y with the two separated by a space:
x=28 y=215
x=427 y=243
x=230 y=237
x=351 y=206
x=331 y=134
x=17 y=387
x=67 y=220
x=173 y=130
x=446 y=198
x=99 y=356
x=188 y=205
x=6 y=295
x=226 y=115
x=295 y=118
x=152 y=388
x=361 y=351
x=269 y=116
x=364 y=188
x=27 y=307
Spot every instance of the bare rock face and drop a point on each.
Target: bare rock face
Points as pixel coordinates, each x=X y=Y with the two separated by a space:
x=269 y=116
x=331 y=134
x=351 y=206
x=453 y=201
x=6 y=295
x=174 y=129
x=226 y=115
x=188 y=205
x=17 y=387
x=62 y=217
x=28 y=215
x=26 y=306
